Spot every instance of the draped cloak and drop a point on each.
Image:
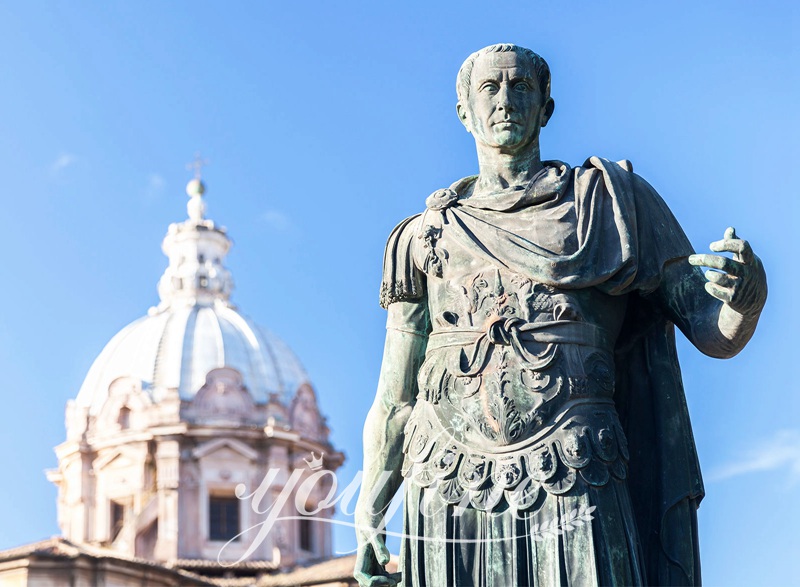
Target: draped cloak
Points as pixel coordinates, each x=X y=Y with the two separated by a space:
x=626 y=235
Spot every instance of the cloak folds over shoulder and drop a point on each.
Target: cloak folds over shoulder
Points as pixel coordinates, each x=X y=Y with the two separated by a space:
x=625 y=236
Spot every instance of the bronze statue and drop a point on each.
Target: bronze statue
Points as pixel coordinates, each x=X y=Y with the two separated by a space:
x=530 y=394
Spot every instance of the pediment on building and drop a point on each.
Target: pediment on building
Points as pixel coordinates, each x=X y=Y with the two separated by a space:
x=218 y=445
x=223 y=399
x=304 y=414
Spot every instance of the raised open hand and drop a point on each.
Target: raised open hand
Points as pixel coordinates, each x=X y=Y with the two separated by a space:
x=739 y=282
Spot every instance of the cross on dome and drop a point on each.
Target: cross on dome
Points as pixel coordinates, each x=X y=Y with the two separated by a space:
x=197 y=165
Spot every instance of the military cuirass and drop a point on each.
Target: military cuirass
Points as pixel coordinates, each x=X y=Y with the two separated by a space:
x=521 y=296
x=517 y=383
x=516 y=390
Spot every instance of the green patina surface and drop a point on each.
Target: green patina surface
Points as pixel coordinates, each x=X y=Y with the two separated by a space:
x=530 y=394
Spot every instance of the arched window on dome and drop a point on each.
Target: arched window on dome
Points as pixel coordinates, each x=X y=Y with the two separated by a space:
x=124 y=418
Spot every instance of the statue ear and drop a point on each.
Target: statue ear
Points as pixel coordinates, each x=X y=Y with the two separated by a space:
x=547 y=112
x=462 y=115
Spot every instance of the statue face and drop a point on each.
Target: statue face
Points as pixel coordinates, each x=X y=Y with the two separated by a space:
x=505 y=107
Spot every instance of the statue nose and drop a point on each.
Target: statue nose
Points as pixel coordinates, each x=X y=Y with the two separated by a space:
x=503 y=99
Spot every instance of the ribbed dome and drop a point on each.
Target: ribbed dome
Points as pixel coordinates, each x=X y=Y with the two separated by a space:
x=194 y=329
x=177 y=348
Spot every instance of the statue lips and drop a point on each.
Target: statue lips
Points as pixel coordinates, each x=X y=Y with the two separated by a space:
x=506 y=123
x=509 y=133
x=508 y=126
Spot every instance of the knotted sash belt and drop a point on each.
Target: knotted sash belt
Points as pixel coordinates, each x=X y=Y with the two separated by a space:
x=513 y=332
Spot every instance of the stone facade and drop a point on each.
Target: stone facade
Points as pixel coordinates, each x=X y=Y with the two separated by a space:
x=56 y=562
x=185 y=410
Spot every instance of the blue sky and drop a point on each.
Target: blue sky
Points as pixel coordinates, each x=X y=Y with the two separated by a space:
x=326 y=124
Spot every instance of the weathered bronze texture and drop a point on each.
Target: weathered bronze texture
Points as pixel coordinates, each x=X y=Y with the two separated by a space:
x=530 y=394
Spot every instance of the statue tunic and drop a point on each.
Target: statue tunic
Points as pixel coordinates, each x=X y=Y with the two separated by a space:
x=516 y=461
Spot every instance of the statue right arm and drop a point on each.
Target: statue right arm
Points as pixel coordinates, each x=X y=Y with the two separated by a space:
x=404 y=351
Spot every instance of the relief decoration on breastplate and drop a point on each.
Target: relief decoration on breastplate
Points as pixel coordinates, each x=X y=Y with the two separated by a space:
x=435 y=257
x=505 y=387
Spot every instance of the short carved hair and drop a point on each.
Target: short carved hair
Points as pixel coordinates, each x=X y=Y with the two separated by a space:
x=539 y=66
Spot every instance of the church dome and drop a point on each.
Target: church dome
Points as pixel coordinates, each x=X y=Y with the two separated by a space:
x=177 y=348
x=195 y=329
x=183 y=408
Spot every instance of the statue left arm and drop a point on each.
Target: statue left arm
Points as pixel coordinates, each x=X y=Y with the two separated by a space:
x=718 y=312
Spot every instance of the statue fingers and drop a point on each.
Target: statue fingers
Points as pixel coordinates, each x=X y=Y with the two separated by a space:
x=387 y=580
x=369 y=572
x=722 y=279
x=379 y=548
x=741 y=248
x=362 y=559
x=717 y=262
x=724 y=294
x=362 y=578
x=365 y=580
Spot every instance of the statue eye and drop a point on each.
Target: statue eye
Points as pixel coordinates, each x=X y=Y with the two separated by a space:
x=489 y=87
x=522 y=86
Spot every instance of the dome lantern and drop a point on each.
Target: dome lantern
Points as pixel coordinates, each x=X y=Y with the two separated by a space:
x=196 y=249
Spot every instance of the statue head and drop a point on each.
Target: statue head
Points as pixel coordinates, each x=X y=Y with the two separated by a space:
x=537 y=62
x=504 y=95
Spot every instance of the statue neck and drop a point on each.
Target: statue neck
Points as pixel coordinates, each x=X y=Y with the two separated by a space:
x=500 y=171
